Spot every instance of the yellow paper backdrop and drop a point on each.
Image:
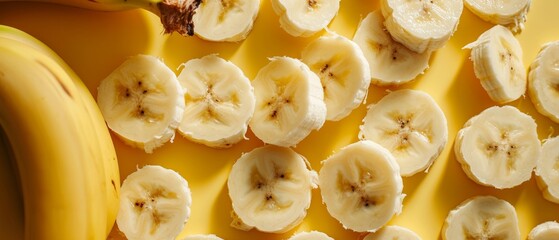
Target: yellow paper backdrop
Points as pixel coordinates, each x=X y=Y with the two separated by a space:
x=94 y=43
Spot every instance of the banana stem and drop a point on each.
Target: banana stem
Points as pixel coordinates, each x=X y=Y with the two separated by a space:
x=176 y=15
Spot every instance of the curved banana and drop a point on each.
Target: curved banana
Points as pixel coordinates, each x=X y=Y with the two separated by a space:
x=176 y=15
x=62 y=148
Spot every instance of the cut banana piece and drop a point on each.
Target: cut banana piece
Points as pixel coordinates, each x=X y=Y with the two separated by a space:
x=361 y=186
x=543 y=81
x=312 y=235
x=482 y=217
x=547 y=170
x=154 y=204
x=225 y=20
x=270 y=189
x=307 y=17
x=390 y=62
x=142 y=102
x=411 y=125
x=289 y=102
x=393 y=233
x=545 y=231
x=343 y=71
x=202 y=237
x=497 y=58
x=499 y=147
x=219 y=102
x=422 y=25
x=511 y=13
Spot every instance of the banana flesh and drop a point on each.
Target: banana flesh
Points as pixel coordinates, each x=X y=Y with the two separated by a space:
x=499 y=147
x=270 y=189
x=390 y=62
x=225 y=20
x=361 y=186
x=71 y=141
x=155 y=204
x=411 y=125
x=482 y=217
x=547 y=169
x=510 y=13
x=289 y=102
x=545 y=231
x=142 y=101
x=543 y=81
x=391 y=233
x=497 y=59
x=219 y=102
x=423 y=25
x=312 y=235
x=343 y=71
x=305 y=18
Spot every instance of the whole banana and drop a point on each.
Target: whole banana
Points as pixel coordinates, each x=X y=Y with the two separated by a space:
x=175 y=15
x=61 y=146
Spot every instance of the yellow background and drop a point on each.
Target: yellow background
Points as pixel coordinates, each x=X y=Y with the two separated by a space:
x=94 y=43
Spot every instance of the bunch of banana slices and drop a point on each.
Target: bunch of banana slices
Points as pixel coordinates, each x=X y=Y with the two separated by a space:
x=212 y=102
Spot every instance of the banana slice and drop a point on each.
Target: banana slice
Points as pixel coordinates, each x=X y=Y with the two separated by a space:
x=391 y=63
x=289 y=102
x=499 y=147
x=202 y=237
x=497 y=58
x=543 y=81
x=411 y=125
x=225 y=20
x=393 y=233
x=361 y=186
x=422 y=25
x=547 y=170
x=312 y=235
x=142 y=102
x=219 y=102
x=511 y=13
x=154 y=204
x=482 y=217
x=545 y=231
x=343 y=71
x=270 y=188
x=307 y=17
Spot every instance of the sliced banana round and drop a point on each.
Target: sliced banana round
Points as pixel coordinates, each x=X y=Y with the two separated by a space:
x=393 y=233
x=142 y=102
x=545 y=231
x=361 y=186
x=390 y=62
x=499 y=147
x=511 y=13
x=225 y=20
x=154 y=204
x=270 y=189
x=343 y=71
x=202 y=237
x=303 y=18
x=497 y=59
x=421 y=25
x=289 y=102
x=312 y=235
x=411 y=125
x=219 y=102
x=543 y=81
x=482 y=217
x=547 y=170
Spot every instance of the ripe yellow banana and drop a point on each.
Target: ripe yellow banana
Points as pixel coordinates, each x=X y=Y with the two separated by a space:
x=175 y=15
x=62 y=148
